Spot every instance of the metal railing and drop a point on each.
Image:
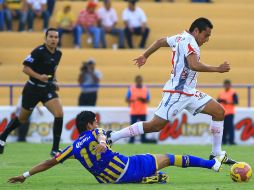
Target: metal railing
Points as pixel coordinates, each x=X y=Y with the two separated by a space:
x=248 y=87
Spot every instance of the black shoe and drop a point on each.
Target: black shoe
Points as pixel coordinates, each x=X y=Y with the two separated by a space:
x=2 y=144
x=108 y=135
x=54 y=153
x=227 y=160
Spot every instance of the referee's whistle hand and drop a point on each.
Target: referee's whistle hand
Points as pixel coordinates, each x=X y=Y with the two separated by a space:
x=44 y=78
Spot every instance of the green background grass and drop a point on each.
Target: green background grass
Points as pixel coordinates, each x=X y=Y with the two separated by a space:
x=20 y=157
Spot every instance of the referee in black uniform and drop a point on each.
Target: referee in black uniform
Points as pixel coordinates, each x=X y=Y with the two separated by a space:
x=41 y=67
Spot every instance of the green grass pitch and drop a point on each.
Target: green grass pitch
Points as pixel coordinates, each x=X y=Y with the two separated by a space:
x=20 y=157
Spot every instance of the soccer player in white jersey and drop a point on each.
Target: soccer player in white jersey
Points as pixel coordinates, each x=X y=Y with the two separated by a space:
x=180 y=90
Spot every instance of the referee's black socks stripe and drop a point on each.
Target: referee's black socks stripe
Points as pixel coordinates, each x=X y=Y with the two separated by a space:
x=12 y=125
x=57 y=131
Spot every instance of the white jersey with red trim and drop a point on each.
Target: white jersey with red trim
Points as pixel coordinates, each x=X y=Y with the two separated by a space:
x=183 y=79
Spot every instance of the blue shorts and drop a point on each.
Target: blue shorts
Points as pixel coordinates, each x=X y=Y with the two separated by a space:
x=140 y=166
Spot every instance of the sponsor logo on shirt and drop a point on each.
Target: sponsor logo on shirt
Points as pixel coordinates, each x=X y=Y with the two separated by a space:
x=79 y=144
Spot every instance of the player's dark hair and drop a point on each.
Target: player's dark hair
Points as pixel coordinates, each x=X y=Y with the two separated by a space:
x=201 y=23
x=50 y=29
x=83 y=118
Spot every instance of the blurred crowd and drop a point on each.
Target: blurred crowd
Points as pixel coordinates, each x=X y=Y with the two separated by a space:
x=95 y=21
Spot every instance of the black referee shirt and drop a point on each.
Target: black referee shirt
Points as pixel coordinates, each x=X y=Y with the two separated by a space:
x=42 y=61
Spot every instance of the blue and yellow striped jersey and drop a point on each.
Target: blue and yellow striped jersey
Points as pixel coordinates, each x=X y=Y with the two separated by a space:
x=107 y=167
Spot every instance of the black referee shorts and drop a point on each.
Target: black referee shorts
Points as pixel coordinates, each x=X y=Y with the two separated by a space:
x=33 y=94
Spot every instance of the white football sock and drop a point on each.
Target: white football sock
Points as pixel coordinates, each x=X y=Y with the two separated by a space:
x=216 y=128
x=133 y=130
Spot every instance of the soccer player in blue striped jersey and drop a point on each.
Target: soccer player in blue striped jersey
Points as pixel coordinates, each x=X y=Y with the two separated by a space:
x=93 y=152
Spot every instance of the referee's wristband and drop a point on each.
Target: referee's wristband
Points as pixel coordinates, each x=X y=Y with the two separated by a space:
x=26 y=174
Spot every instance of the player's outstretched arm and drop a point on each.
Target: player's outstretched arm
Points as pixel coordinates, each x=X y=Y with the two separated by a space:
x=141 y=60
x=195 y=65
x=39 y=168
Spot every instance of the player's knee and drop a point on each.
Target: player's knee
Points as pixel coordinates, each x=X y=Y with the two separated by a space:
x=158 y=127
x=150 y=127
x=218 y=113
x=154 y=125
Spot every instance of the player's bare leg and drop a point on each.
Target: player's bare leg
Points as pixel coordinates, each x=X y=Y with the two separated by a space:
x=214 y=109
x=154 y=125
x=12 y=125
x=55 y=107
x=139 y=128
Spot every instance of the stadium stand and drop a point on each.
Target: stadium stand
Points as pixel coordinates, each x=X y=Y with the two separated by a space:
x=231 y=39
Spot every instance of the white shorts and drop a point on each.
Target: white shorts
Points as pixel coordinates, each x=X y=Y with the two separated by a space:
x=173 y=103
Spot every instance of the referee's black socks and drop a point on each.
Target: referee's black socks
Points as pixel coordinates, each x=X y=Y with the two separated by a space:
x=12 y=125
x=57 y=131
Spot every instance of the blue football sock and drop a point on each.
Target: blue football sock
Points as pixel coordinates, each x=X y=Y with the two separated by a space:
x=189 y=161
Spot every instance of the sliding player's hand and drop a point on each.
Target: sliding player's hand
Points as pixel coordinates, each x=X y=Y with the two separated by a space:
x=16 y=179
x=100 y=148
x=140 y=61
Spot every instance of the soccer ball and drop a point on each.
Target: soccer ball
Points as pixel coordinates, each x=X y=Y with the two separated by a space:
x=241 y=172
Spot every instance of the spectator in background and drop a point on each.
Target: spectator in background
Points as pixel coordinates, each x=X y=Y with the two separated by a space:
x=50 y=6
x=108 y=20
x=65 y=22
x=138 y=96
x=89 y=76
x=1 y=16
x=135 y=23
x=15 y=10
x=88 y=21
x=37 y=8
x=228 y=99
